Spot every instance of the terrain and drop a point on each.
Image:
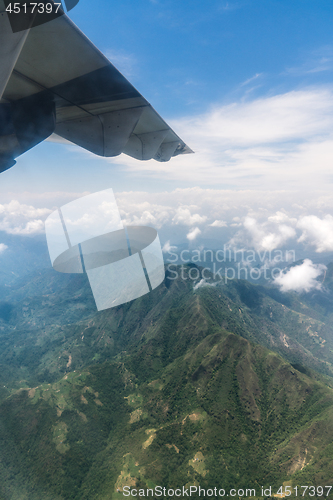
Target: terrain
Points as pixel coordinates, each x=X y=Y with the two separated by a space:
x=227 y=385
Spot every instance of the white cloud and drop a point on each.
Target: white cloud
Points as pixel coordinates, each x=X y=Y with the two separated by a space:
x=183 y=216
x=280 y=217
x=302 y=278
x=250 y=80
x=214 y=207
x=167 y=247
x=30 y=227
x=203 y=283
x=193 y=234
x=263 y=236
x=3 y=247
x=219 y=223
x=317 y=232
x=295 y=115
x=17 y=218
x=275 y=141
x=260 y=220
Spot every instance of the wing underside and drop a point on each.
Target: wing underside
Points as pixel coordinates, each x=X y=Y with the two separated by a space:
x=96 y=107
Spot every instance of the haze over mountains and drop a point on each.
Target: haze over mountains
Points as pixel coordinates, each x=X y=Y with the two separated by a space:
x=205 y=381
x=227 y=385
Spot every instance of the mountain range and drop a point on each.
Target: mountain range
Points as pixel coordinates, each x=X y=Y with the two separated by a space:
x=220 y=385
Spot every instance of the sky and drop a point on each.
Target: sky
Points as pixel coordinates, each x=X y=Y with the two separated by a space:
x=248 y=85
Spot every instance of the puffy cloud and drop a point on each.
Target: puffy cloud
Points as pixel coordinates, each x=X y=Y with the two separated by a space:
x=281 y=217
x=214 y=207
x=260 y=220
x=17 y=218
x=302 y=278
x=193 y=234
x=202 y=283
x=317 y=232
x=229 y=205
x=167 y=247
x=141 y=208
x=183 y=216
x=263 y=236
x=160 y=209
x=147 y=218
x=219 y=223
x=30 y=227
x=3 y=247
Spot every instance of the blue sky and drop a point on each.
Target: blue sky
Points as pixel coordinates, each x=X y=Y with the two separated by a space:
x=247 y=84
x=190 y=59
x=188 y=55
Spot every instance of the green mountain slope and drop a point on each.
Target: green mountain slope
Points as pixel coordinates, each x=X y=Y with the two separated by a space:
x=50 y=326
x=227 y=413
x=175 y=388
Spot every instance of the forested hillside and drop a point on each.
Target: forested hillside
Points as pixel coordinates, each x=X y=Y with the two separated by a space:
x=223 y=385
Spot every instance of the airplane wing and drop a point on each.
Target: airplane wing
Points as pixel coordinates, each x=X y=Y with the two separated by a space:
x=53 y=79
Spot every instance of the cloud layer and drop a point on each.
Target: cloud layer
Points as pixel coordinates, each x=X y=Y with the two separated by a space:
x=263 y=221
x=237 y=219
x=21 y=219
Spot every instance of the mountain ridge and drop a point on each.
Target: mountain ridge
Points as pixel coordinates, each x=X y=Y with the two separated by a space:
x=173 y=388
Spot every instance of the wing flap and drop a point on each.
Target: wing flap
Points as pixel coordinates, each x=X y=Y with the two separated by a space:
x=145 y=146
x=104 y=135
x=118 y=127
x=166 y=151
x=86 y=132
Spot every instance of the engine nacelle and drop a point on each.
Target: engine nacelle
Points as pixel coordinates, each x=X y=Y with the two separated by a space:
x=23 y=125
